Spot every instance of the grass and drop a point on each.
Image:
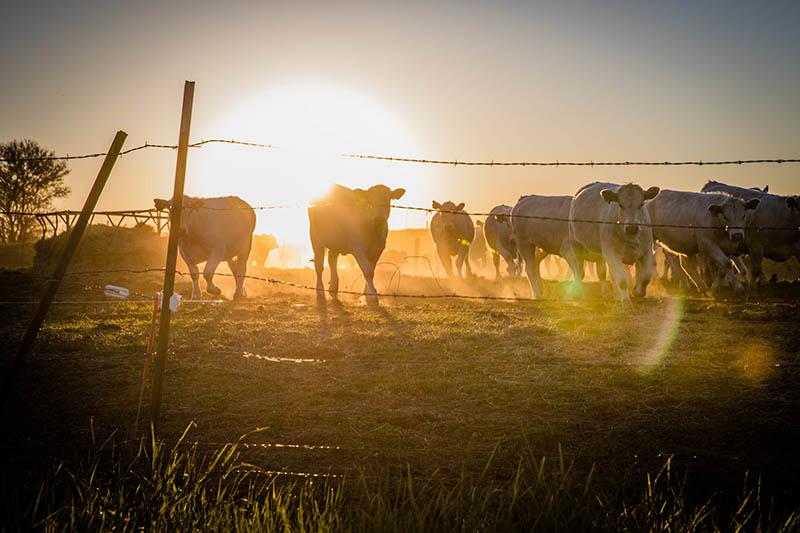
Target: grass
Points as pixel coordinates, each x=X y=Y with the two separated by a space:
x=437 y=413
x=123 y=485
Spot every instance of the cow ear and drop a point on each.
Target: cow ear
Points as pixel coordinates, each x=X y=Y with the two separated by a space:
x=161 y=205
x=460 y=206
x=651 y=193
x=765 y=189
x=609 y=195
x=793 y=202
x=715 y=209
x=752 y=204
x=436 y=205
x=397 y=194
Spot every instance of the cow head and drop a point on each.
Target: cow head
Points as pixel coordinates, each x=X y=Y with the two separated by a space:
x=375 y=203
x=629 y=200
x=733 y=212
x=448 y=211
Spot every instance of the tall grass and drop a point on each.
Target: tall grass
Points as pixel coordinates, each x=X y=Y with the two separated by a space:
x=125 y=485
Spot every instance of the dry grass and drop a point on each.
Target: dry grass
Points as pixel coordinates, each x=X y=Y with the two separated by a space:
x=436 y=387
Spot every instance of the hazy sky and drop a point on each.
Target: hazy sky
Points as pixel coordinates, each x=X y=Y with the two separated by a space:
x=454 y=80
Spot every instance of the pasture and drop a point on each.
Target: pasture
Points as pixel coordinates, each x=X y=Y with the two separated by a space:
x=439 y=395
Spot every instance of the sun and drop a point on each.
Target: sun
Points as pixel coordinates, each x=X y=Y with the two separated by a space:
x=310 y=124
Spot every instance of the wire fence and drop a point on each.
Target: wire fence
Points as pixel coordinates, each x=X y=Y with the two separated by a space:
x=453 y=162
x=512 y=216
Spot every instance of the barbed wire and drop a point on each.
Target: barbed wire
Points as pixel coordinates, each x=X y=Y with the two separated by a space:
x=453 y=162
x=144 y=212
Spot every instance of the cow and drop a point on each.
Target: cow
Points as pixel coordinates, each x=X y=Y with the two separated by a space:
x=608 y=222
x=775 y=227
x=452 y=232
x=711 y=224
x=477 y=249
x=262 y=246
x=214 y=230
x=499 y=237
x=350 y=221
x=540 y=227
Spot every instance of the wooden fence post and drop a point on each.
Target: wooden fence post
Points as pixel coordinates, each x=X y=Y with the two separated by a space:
x=54 y=281
x=172 y=251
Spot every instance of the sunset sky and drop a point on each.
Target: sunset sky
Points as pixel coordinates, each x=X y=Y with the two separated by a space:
x=458 y=80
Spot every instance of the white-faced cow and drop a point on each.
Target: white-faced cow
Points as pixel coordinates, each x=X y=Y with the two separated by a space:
x=500 y=239
x=214 y=230
x=775 y=227
x=540 y=228
x=350 y=221
x=452 y=231
x=711 y=224
x=610 y=222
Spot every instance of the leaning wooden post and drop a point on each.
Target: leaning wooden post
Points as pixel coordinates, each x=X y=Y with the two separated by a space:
x=54 y=281
x=172 y=251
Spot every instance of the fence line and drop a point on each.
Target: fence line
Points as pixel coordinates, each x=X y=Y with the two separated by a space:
x=145 y=212
x=453 y=162
x=295 y=285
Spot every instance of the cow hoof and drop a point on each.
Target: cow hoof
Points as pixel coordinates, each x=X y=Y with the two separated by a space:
x=239 y=296
x=213 y=290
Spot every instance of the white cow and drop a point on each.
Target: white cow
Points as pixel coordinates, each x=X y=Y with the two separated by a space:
x=609 y=222
x=776 y=227
x=350 y=221
x=452 y=231
x=500 y=239
x=540 y=228
x=718 y=231
x=214 y=230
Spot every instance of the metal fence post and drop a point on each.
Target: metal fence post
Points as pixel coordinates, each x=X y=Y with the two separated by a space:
x=172 y=251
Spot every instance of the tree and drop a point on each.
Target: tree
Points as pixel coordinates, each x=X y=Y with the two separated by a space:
x=28 y=182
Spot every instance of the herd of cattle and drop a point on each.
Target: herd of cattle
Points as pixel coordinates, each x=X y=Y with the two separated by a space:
x=705 y=235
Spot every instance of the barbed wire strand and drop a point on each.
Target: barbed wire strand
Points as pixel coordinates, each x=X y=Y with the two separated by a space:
x=152 y=212
x=453 y=162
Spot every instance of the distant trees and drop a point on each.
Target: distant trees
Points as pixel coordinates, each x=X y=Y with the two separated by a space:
x=27 y=183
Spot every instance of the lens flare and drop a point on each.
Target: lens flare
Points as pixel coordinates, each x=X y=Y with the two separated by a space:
x=665 y=338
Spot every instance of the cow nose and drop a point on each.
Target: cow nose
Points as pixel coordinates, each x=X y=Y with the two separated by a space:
x=631 y=229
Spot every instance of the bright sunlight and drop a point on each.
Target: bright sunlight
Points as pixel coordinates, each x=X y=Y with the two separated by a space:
x=310 y=124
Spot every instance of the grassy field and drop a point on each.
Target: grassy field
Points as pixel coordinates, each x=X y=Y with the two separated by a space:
x=440 y=395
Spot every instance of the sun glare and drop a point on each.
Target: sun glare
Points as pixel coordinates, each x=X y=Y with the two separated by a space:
x=309 y=124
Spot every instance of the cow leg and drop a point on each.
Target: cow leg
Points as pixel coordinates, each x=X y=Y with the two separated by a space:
x=460 y=261
x=496 y=261
x=645 y=267
x=319 y=266
x=724 y=267
x=444 y=257
x=240 y=271
x=620 y=281
x=333 y=260
x=756 y=260
x=527 y=254
x=208 y=272
x=368 y=269
x=194 y=272
x=465 y=260
x=511 y=261
x=602 y=274
x=690 y=267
